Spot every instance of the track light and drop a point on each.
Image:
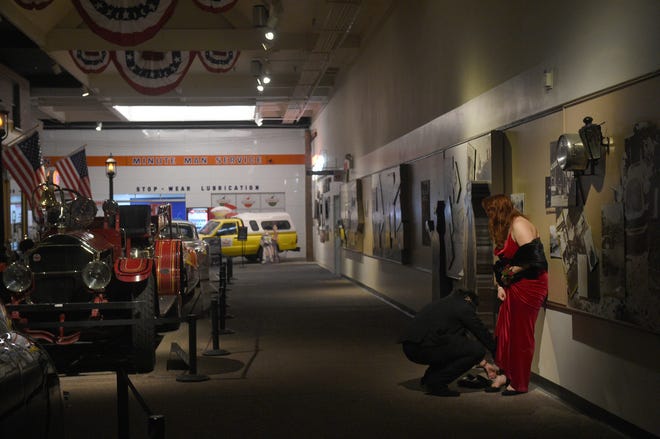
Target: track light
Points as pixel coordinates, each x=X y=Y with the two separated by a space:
x=259 y=15
x=260 y=86
x=99 y=126
x=269 y=33
x=255 y=67
x=85 y=92
x=265 y=79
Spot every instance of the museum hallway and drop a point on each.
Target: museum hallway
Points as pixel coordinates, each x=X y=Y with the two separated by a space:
x=312 y=356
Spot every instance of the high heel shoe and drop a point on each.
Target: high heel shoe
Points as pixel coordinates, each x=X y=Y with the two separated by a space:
x=496 y=389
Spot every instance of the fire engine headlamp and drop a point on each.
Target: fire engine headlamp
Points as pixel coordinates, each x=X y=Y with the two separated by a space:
x=96 y=275
x=17 y=277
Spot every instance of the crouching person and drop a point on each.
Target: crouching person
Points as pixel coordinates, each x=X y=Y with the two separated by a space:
x=438 y=337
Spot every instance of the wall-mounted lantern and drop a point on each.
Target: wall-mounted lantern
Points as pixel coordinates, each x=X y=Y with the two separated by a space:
x=577 y=152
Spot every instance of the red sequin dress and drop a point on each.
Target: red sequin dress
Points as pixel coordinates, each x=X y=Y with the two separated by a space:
x=516 y=321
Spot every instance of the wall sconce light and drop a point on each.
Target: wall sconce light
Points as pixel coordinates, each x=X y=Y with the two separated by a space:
x=99 y=126
x=110 y=171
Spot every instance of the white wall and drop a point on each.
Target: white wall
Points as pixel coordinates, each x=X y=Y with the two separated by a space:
x=191 y=180
x=612 y=366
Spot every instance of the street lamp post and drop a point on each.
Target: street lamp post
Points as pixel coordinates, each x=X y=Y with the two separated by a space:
x=111 y=171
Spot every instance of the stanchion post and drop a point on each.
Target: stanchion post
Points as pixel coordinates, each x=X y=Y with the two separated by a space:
x=222 y=277
x=230 y=270
x=193 y=376
x=215 y=331
x=122 y=404
x=223 y=311
x=156 y=427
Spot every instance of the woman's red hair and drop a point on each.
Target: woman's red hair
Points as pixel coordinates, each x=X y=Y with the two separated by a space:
x=501 y=213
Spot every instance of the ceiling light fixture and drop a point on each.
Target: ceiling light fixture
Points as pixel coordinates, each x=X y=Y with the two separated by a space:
x=265 y=69
x=153 y=113
x=260 y=86
x=85 y=92
x=259 y=15
x=255 y=67
x=99 y=126
x=271 y=24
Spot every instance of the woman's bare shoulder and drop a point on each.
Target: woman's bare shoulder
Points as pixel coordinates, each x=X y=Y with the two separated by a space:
x=523 y=230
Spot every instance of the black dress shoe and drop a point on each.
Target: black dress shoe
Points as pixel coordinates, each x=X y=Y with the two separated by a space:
x=442 y=391
x=473 y=382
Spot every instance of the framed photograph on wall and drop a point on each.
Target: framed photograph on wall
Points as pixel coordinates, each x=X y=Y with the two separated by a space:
x=388 y=223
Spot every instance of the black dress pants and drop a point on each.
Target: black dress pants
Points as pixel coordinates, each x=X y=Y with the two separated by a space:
x=448 y=358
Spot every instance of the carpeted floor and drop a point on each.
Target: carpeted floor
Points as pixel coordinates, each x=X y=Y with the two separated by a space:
x=312 y=356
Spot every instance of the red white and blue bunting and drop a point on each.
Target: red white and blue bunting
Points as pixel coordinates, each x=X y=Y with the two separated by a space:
x=91 y=61
x=153 y=73
x=219 y=61
x=132 y=22
x=216 y=6
x=125 y=22
x=33 y=4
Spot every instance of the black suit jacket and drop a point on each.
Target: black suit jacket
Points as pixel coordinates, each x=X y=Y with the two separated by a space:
x=451 y=315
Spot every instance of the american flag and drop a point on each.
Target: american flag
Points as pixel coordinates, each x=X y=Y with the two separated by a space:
x=73 y=172
x=23 y=161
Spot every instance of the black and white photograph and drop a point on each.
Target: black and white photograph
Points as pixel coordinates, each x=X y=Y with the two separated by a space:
x=562 y=184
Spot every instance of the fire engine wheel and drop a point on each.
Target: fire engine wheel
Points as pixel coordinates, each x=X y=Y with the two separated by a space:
x=144 y=331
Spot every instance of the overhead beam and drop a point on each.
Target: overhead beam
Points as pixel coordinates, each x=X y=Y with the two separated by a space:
x=178 y=39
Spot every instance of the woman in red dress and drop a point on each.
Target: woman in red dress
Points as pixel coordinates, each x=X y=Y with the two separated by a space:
x=522 y=277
